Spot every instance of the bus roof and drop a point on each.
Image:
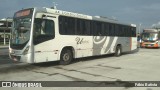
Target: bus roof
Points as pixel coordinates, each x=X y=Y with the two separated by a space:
x=111 y=21
x=83 y=16
x=150 y=30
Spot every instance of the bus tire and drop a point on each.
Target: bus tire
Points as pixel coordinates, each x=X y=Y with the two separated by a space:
x=66 y=57
x=118 y=51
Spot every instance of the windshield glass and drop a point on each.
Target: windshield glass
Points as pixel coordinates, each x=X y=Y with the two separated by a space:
x=21 y=31
x=149 y=36
x=21 y=28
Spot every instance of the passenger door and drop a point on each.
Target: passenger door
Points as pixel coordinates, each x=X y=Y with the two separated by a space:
x=44 y=33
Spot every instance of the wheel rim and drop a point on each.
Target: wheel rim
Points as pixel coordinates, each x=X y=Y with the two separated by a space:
x=66 y=57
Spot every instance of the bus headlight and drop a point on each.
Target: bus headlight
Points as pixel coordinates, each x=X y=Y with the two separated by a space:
x=26 y=50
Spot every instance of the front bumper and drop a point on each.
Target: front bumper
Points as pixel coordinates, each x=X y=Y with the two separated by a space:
x=150 y=45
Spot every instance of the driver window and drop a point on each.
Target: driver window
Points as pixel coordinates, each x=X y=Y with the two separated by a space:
x=43 y=30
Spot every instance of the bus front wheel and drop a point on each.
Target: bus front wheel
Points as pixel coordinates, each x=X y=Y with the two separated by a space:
x=66 y=57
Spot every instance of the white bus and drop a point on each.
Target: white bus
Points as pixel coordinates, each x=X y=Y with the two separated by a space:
x=44 y=34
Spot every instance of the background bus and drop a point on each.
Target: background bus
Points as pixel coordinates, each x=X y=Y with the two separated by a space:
x=150 y=38
x=44 y=34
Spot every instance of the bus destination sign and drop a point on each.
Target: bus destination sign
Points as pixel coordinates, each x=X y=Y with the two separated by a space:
x=22 y=13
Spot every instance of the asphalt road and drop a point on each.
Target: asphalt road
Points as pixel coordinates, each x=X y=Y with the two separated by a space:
x=139 y=66
x=4 y=58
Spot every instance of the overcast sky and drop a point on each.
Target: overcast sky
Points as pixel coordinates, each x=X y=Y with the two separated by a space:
x=146 y=12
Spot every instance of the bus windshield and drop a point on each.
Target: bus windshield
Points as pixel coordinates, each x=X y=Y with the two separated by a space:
x=21 y=28
x=149 y=36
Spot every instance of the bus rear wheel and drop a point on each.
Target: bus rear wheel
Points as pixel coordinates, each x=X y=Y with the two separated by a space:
x=118 y=51
x=66 y=57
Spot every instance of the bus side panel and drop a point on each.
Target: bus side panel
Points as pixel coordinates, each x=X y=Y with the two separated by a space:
x=45 y=52
x=134 y=43
x=64 y=41
x=124 y=42
x=100 y=44
x=84 y=46
x=106 y=45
